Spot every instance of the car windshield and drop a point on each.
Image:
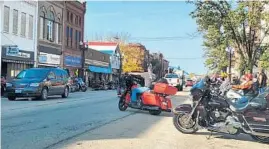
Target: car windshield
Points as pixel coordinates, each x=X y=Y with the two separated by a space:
x=32 y=73
x=171 y=76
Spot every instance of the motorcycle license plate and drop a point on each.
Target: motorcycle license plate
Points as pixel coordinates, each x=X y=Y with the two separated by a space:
x=17 y=91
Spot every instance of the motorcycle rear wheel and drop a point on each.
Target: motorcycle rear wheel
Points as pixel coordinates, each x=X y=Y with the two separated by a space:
x=122 y=105
x=178 y=121
x=261 y=139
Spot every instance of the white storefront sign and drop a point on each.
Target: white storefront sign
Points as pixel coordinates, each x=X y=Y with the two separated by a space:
x=14 y=51
x=49 y=58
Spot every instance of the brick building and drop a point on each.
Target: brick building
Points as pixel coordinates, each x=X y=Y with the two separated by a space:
x=74 y=12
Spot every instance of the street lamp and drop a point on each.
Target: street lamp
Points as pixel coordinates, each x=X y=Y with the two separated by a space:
x=83 y=47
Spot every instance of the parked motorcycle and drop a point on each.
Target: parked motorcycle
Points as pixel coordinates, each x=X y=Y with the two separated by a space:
x=79 y=85
x=218 y=114
x=154 y=101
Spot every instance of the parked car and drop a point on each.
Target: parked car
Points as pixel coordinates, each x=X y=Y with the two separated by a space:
x=174 y=80
x=38 y=83
x=189 y=83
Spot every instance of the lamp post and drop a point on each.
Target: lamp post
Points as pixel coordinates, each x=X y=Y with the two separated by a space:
x=121 y=56
x=83 y=47
x=230 y=50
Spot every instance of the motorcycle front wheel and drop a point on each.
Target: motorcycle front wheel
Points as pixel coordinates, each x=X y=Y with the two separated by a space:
x=121 y=104
x=261 y=139
x=181 y=124
x=83 y=89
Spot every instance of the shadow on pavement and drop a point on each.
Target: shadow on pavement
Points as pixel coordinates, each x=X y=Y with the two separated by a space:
x=240 y=137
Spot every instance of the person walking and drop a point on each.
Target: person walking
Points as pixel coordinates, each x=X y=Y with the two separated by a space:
x=262 y=80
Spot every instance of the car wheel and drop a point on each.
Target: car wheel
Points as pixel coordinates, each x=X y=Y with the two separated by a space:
x=11 y=98
x=44 y=94
x=66 y=93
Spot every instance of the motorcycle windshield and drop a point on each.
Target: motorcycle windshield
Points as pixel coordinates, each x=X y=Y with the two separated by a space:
x=199 y=85
x=260 y=100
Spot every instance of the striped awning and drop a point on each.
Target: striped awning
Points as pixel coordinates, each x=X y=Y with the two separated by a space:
x=17 y=61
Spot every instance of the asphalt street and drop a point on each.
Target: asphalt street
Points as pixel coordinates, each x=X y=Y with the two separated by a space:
x=92 y=120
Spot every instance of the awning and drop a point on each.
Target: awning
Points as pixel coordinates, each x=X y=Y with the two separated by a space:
x=17 y=61
x=100 y=69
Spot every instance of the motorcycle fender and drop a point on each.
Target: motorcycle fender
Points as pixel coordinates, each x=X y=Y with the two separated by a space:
x=182 y=109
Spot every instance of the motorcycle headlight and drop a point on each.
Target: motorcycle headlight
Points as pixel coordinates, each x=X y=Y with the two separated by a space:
x=8 y=85
x=34 y=84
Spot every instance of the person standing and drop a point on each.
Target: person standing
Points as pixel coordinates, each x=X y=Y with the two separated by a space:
x=262 y=79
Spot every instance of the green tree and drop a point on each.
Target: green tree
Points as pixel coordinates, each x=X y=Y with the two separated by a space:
x=265 y=60
x=233 y=24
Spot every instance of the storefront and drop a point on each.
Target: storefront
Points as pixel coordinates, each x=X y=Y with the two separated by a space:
x=49 y=60
x=72 y=63
x=14 y=60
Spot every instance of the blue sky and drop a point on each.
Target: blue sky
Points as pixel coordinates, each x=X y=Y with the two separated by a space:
x=150 y=19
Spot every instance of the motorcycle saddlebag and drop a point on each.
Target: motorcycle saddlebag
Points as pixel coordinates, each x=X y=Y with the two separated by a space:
x=150 y=99
x=163 y=88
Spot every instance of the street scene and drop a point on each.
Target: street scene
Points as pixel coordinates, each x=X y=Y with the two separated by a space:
x=79 y=122
x=134 y=74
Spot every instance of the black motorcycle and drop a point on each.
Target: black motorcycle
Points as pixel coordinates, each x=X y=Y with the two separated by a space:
x=217 y=114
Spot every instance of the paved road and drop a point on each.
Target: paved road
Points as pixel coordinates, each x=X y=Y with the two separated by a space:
x=92 y=120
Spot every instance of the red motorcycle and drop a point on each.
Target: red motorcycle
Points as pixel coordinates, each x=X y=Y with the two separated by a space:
x=155 y=101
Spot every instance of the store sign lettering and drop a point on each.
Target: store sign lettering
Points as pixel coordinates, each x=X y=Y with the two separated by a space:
x=14 y=51
x=72 y=61
x=49 y=58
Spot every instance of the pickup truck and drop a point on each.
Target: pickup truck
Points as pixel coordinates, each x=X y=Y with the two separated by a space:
x=174 y=80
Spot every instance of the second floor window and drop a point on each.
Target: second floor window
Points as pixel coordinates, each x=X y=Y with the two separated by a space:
x=76 y=38
x=71 y=17
x=23 y=24
x=50 y=26
x=79 y=21
x=67 y=36
x=6 y=19
x=42 y=26
x=76 y=20
x=71 y=37
x=31 y=26
x=15 y=21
